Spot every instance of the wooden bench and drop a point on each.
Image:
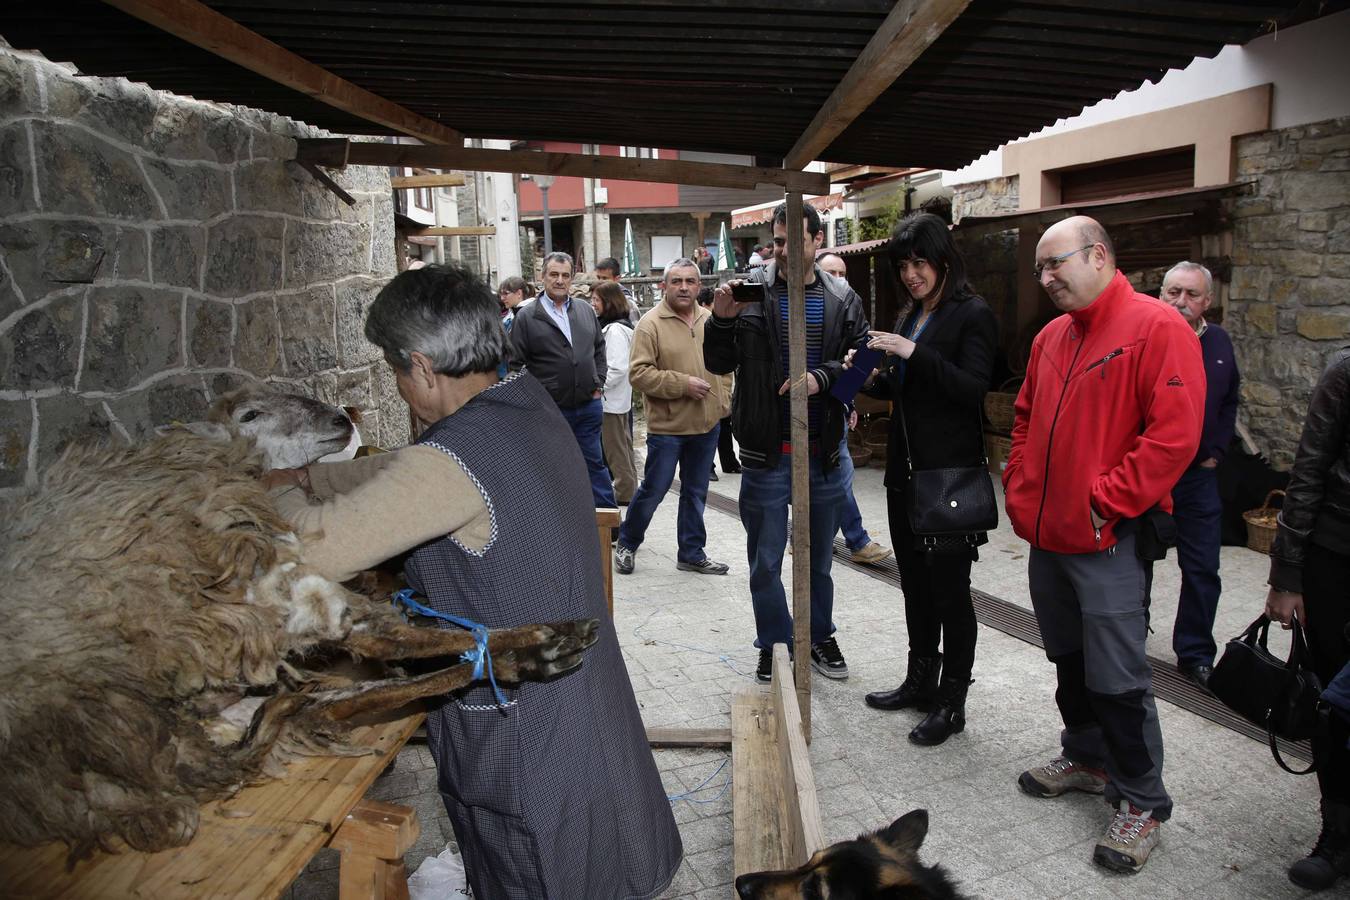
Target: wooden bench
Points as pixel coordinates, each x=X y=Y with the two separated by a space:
x=255 y=843
x=774 y=805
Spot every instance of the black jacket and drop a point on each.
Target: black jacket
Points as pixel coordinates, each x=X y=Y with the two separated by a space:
x=1317 y=501
x=942 y=398
x=748 y=345
x=570 y=373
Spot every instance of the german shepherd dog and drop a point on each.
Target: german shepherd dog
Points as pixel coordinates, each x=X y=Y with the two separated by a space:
x=883 y=865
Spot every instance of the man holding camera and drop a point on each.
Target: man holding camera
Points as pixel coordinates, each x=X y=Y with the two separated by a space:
x=1107 y=420
x=748 y=335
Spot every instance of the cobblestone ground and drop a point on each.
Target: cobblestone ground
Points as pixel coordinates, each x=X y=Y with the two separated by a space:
x=1238 y=821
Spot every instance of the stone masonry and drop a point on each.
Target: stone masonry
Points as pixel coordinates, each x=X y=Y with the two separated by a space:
x=159 y=251
x=1289 y=302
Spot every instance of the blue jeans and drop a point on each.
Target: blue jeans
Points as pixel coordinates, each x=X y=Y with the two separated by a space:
x=855 y=535
x=586 y=421
x=694 y=454
x=1197 y=508
x=765 y=497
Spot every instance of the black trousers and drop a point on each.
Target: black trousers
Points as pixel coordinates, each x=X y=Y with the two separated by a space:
x=1326 y=603
x=726 y=451
x=937 y=597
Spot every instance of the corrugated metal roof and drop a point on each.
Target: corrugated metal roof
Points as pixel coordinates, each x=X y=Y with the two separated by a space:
x=742 y=78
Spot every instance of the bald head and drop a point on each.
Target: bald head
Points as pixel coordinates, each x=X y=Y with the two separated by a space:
x=833 y=264
x=1075 y=262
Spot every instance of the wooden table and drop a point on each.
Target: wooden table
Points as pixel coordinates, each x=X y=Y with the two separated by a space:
x=254 y=844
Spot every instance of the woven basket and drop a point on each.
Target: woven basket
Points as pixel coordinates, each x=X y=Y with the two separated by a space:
x=861 y=457
x=998 y=406
x=1261 y=524
x=876 y=451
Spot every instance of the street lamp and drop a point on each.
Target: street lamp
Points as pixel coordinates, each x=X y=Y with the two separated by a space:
x=545 y=182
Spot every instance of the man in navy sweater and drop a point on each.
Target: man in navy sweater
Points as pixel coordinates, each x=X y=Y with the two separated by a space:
x=1189 y=287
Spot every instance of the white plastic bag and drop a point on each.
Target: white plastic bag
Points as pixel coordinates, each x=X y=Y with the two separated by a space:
x=439 y=877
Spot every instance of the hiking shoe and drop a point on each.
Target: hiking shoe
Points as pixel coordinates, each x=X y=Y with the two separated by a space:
x=623 y=560
x=871 y=554
x=1131 y=837
x=1061 y=776
x=827 y=660
x=704 y=566
x=764 y=671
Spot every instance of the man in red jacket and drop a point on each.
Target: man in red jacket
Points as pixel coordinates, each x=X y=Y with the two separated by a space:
x=1107 y=420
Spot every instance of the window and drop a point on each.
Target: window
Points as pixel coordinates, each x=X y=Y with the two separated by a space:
x=422 y=198
x=666 y=247
x=640 y=152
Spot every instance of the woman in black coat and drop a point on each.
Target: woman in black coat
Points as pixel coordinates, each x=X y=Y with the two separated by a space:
x=936 y=373
x=1309 y=571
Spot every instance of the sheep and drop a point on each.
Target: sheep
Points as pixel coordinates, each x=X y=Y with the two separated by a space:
x=161 y=629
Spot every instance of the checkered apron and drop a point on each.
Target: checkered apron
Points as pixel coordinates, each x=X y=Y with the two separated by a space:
x=556 y=796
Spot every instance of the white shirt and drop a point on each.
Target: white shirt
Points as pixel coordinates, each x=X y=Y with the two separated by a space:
x=617 y=397
x=559 y=314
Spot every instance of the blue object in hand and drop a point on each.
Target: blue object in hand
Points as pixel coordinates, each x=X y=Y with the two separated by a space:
x=848 y=385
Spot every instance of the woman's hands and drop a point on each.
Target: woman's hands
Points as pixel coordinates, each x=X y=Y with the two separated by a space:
x=1281 y=605
x=889 y=342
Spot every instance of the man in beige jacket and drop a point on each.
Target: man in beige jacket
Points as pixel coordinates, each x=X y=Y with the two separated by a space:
x=684 y=403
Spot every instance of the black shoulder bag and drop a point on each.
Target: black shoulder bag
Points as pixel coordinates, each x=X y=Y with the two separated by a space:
x=949 y=509
x=1278 y=695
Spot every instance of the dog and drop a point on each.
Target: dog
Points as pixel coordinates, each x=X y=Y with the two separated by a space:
x=883 y=865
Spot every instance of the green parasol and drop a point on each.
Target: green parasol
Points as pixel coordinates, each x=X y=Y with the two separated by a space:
x=726 y=257
x=631 y=266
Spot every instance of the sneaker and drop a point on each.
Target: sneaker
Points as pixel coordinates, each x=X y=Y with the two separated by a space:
x=1131 y=837
x=704 y=566
x=827 y=660
x=1061 y=776
x=871 y=554
x=623 y=560
x=764 y=671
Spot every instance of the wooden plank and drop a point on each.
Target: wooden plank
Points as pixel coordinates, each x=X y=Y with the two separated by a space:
x=334 y=152
x=202 y=26
x=249 y=846
x=712 y=738
x=757 y=844
x=801 y=463
x=909 y=29
x=801 y=829
x=451 y=230
x=404 y=182
x=375 y=828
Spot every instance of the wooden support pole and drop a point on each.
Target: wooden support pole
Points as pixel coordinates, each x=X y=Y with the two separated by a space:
x=202 y=26
x=801 y=460
x=908 y=31
x=334 y=152
x=449 y=179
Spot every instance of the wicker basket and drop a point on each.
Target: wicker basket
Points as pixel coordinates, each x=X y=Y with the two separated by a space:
x=1261 y=524
x=861 y=457
x=997 y=447
x=998 y=406
x=876 y=451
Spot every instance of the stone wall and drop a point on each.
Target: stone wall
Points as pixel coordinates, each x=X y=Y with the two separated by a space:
x=158 y=251
x=1289 y=301
x=985 y=198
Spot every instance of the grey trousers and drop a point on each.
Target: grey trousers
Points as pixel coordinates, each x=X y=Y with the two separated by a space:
x=1094 y=620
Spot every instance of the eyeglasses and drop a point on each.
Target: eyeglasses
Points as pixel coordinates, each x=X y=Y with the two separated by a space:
x=1054 y=262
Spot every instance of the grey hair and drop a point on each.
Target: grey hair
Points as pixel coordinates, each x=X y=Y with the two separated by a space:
x=1188 y=266
x=559 y=256
x=682 y=263
x=443 y=312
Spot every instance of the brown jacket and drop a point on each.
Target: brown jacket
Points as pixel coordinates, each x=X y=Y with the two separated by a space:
x=666 y=351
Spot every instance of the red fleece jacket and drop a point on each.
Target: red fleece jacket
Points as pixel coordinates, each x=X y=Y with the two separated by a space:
x=1108 y=419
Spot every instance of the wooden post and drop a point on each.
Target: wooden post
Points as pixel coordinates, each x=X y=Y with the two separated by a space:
x=801 y=462
x=372 y=841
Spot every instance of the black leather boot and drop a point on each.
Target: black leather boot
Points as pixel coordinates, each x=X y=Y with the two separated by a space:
x=1330 y=858
x=920 y=684
x=947 y=718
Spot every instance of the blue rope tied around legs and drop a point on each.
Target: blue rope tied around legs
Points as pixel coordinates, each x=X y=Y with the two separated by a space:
x=480 y=656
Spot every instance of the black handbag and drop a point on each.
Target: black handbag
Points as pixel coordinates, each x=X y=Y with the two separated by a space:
x=1281 y=696
x=948 y=508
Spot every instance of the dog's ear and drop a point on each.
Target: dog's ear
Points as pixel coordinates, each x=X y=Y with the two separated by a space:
x=907 y=832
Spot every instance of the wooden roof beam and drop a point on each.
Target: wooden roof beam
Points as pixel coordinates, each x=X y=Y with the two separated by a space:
x=203 y=27
x=337 y=152
x=909 y=29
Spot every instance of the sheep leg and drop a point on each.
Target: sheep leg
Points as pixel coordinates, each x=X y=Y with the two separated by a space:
x=390 y=638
